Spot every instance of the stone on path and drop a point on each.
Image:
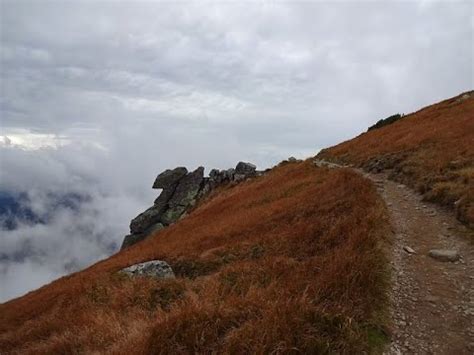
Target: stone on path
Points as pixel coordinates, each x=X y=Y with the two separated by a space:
x=444 y=255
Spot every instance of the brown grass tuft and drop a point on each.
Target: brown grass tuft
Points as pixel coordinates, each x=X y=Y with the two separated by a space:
x=431 y=150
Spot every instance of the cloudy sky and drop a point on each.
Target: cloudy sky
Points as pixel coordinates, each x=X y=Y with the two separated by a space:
x=97 y=97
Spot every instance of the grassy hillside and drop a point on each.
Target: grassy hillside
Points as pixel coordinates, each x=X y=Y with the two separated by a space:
x=288 y=262
x=431 y=150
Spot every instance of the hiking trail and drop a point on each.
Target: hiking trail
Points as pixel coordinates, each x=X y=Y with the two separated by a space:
x=431 y=301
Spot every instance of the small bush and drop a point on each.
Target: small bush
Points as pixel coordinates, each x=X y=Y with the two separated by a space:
x=385 y=122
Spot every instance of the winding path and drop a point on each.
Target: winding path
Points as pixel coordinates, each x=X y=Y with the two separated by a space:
x=432 y=302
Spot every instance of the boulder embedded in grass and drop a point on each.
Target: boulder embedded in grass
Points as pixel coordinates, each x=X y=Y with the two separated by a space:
x=154 y=268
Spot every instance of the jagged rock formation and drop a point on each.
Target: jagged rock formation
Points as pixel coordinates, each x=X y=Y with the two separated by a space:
x=153 y=268
x=181 y=191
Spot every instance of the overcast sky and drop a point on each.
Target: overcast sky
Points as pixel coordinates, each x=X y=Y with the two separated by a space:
x=98 y=97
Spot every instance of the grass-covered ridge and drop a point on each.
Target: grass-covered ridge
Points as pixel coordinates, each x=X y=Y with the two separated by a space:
x=288 y=262
x=431 y=150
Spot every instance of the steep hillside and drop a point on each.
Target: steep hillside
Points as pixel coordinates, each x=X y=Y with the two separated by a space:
x=290 y=261
x=431 y=150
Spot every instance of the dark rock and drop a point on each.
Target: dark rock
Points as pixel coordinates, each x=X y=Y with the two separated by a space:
x=153 y=268
x=229 y=174
x=205 y=189
x=444 y=255
x=165 y=196
x=138 y=237
x=169 y=177
x=184 y=196
x=146 y=219
x=239 y=177
x=131 y=239
x=216 y=178
x=153 y=214
x=172 y=214
x=154 y=228
x=214 y=174
x=246 y=169
x=386 y=121
x=187 y=189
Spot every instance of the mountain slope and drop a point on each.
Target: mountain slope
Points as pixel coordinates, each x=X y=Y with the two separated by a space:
x=288 y=261
x=294 y=260
x=430 y=150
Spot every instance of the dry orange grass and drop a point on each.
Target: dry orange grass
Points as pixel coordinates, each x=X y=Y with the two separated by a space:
x=287 y=263
x=431 y=150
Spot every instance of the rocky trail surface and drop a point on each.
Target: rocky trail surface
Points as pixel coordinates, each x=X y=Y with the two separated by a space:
x=432 y=301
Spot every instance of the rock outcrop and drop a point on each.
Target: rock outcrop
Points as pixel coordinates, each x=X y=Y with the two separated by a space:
x=154 y=268
x=180 y=192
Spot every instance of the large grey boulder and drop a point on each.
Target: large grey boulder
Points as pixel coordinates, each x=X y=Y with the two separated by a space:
x=247 y=169
x=169 y=177
x=153 y=268
x=444 y=255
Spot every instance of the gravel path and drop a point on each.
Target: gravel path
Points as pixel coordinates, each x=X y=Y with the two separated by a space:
x=432 y=302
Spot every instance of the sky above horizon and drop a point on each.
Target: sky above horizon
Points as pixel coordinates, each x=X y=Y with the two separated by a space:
x=97 y=97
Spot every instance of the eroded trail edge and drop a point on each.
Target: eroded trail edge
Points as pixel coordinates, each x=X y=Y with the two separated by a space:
x=432 y=302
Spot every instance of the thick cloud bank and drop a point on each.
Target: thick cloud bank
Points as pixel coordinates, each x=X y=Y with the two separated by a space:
x=97 y=97
x=81 y=212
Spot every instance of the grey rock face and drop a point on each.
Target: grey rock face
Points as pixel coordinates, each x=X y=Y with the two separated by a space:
x=153 y=268
x=246 y=169
x=138 y=237
x=172 y=214
x=145 y=219
x=444 y=255
x=228 y=174
x=155 y=228
x=181 y=191
x=162 y=200
x=184 y=197
x=239 y=177
x=187 y=189
x=169 y=177
x=178 y=191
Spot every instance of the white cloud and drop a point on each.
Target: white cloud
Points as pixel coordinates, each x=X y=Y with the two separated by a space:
x=23 y=139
